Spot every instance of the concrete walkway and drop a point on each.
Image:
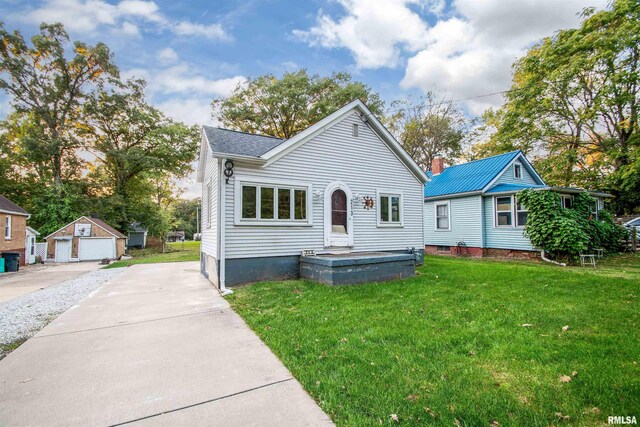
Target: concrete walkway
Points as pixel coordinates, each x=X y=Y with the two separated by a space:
x=33 y=277
x=156 y=346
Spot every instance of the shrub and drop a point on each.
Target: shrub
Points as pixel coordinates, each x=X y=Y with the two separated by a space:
x=565 y=233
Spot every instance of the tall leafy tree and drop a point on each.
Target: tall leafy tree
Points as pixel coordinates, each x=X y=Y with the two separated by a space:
x=575 y=100
x=428 y=127
x=134 y=142
x=283 y=107
x=48 y=85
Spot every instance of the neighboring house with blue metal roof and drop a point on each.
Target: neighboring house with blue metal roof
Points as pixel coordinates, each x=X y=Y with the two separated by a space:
x=472 y=206
x=343 y=184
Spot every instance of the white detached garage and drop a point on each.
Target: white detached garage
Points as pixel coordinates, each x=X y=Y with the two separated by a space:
x=85 y=239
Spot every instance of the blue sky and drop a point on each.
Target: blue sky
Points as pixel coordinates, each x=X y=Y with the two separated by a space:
x=193 y=51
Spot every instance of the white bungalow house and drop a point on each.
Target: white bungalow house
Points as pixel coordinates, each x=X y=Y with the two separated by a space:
x=471 y=208
x=342 y=185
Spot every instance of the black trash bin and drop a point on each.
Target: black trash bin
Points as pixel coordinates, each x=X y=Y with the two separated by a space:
x=11 y=261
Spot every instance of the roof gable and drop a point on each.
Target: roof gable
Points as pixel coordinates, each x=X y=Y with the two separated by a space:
x=367 y=118
x=264 y=150
x=96 y=221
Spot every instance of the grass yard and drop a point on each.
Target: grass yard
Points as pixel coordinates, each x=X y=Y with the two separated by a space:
x=466 y=342
x=176 y=252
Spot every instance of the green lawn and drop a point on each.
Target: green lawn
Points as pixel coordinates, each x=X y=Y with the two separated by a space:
x=176 y=252
x=475 y=341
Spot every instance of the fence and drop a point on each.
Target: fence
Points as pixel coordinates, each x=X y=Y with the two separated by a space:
x=41 y=250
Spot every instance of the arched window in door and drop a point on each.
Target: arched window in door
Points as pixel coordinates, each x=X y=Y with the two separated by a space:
x=339 y=212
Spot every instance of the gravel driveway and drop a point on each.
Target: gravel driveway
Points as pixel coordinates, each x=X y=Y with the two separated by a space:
x=22 y=317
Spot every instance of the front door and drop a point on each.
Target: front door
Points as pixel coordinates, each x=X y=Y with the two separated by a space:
x=338 y=221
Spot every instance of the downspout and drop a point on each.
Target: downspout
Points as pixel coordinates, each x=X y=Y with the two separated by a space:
x=544 y=258
x=222 y=230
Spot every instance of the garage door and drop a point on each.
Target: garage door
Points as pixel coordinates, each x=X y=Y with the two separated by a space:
x=96 y=248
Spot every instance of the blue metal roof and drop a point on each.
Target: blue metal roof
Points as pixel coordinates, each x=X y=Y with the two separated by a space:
x=505 y=188
x=468 y=177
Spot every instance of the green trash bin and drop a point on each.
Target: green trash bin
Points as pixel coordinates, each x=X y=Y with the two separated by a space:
x=12 y=261
x=1 y=265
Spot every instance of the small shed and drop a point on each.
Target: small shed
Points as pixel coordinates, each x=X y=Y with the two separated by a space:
x=137 y=236
x=85 y=239
x=175 y=236
x=30 y=245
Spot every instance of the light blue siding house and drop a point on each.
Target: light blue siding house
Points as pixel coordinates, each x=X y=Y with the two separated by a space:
x=471 y=208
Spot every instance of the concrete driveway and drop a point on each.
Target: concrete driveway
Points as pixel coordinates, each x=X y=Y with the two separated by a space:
x=34 y=277
x=155 y=346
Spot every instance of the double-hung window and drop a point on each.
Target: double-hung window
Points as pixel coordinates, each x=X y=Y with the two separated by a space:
x=266 y=203
x=390 y=209
x=521 y=214
x=504 y=211
x=443 y=223
x=7 y=227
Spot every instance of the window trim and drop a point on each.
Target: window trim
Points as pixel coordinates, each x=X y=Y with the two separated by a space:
x=517 y=166
x=562 y=199
x=241 y=181
x=495 y=212
x=8 y=227
x=384 y=193
x=435 y=215
x=516 y=211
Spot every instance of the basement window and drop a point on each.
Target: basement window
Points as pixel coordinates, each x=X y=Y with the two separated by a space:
x=443 y=248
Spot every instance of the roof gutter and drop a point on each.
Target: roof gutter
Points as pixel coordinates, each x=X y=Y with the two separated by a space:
x=452 y=195
x=240 y=158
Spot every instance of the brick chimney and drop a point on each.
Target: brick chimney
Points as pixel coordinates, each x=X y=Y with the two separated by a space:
x=437 y=165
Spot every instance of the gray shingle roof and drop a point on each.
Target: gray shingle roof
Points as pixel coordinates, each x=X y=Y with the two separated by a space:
x=239 y=143
x=8 y=205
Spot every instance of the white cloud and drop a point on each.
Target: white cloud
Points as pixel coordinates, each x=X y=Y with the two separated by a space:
x=130 y=29
x=467 y=52
x=375 y=32
x=180 y=92
x=212 y=31
x=471 y=53
x=167 y=55
x=92 y=15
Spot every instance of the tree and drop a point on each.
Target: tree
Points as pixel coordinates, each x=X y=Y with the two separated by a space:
x=429 y=127
x=575 y=99
x=185 y=213
x=135 y=143
x=49 y=87
x=283 y=107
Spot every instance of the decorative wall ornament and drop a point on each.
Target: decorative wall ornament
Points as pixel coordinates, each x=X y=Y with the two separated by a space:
x=228 y=169
x=367 y=202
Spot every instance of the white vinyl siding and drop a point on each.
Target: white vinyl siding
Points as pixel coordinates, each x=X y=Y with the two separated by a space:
x=465 y=221
x=209 y=212
x=365 y=164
